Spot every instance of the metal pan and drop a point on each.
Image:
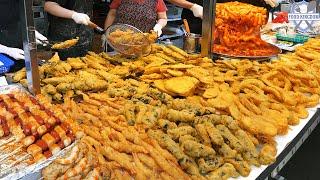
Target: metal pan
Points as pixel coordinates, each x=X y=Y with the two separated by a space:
x=250 y=57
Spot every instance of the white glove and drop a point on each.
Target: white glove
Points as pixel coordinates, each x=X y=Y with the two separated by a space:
x=197 y=10
x=12 y=52
x=272 y=3
x=158 y=29
x=80 y=18
x=104 y=42
x=39 y=38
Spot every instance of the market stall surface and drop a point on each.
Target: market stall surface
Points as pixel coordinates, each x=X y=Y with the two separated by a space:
x=305 y=163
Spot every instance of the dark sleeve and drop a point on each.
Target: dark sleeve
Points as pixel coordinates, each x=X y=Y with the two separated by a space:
x=60 y=2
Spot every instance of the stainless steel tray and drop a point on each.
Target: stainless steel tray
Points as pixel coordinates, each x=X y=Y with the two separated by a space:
x=251 y=57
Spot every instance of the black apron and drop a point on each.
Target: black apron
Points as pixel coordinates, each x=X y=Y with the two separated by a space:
x=10 y=28
x=196 y=23
x=61 y=29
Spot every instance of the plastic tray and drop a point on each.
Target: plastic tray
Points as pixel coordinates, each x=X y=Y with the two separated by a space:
x=5 y=63
x=296 y=39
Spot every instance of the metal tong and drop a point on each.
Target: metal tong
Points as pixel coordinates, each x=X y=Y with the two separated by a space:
x=97 y=28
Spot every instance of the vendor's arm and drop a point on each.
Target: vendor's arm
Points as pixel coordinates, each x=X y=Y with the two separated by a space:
x=110 y=18
x=161 y=23
x=272 y=3
x=196 y=9
x=162 y=17
x=182 y=3
x=56 y=10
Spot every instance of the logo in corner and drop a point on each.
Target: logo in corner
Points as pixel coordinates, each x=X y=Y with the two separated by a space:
x=303 y=15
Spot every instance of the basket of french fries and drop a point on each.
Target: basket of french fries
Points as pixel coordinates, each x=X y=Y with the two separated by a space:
x=129 y=40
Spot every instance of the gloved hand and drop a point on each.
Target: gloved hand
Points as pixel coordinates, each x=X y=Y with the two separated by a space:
x=15 y=53
x=158 y=29
x=39 y=38
x=197 y=10
x=272 y=3
x=80 y=18
x=104 y=42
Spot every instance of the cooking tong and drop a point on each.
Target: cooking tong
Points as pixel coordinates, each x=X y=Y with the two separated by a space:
x=94 y=26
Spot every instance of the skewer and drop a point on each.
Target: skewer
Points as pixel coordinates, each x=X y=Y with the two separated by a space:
x=4 y=157
x=7 y=169
x=42 y=155
x=7 y=141
x=44 y=143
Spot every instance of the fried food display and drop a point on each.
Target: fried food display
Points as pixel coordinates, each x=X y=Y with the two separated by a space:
x=65 y=44
x=111 y=147
x=171 y=114
x=133 y=43
x=237 y=30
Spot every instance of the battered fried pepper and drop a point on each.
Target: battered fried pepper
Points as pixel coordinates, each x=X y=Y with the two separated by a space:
x=214 y=134
x=76 y=63
x=57 y=80
x=165 y=124
x=180 y=131
x=49 y=89
x=166 y=142
x=251 y=154
x=188 y=137
x=209 y=164
x=195 y=149
x=241 y=166
x=223 y=173
x=227 y=152
x=268 y=154
x=66 y=44
x=233 y=141
x=201 y=130
x=182 y=116
x=21 y=74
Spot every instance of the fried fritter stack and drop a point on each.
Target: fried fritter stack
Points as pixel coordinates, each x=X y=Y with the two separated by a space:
x=237 y=30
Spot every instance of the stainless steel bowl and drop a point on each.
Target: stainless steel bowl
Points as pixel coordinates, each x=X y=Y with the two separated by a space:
x=192 y=43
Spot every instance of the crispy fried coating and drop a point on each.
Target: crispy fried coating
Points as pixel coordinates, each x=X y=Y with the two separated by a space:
x=66 y=44
x=223 y=173
x=234 y=142
x=214 y=134
x=195 y=149
x=267 y=154
x=181 y=131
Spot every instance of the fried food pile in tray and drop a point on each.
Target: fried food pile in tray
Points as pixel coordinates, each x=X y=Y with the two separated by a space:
x=111 y=148
x=237 y=30
x=31 y=131
x=213 y=119
x=65 y=44
x=129 y=42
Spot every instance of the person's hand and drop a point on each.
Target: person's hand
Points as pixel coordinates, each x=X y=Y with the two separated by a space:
x=197 y=10
x=40 y=38
x=80 y=18
x=15 y=53
x=272 y=3
x=104 y=42
x=158 y=29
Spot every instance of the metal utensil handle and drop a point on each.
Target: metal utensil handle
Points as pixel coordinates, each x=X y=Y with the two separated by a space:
x=186 y=25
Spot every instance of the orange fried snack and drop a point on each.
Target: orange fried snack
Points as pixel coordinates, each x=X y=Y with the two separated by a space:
x=237 y=30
